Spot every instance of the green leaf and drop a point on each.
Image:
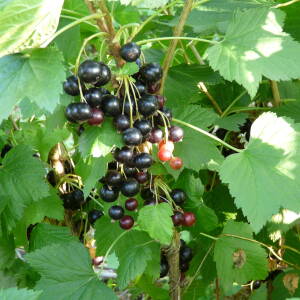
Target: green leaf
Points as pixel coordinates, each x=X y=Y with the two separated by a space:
x=19 y=294
x=91 y=171
x=255 y=46
x=44 y=235
x=135 y=258
x=99 y=141
x=144 y=3
x=267 y=169
x=21 y=182
x=156 y=220
x=260 y=294
x=155 y=291
x=7 y=250
x=42 y=67
x=232 y=122
x=239 y=260
x=76 y=280
x=291 y=110
x=128 y=69
x=27 y=24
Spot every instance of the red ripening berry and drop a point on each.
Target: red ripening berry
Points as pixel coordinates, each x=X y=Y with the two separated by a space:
x=166 y=145
x=97 y=117
x=178 y=218
x=126 y=222
x=164 y=155
x=131 y=204
x=189 y=219
x=176 y=163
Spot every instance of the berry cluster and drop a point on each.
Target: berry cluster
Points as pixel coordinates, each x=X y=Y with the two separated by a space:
x=140 y=115
x=185 y=256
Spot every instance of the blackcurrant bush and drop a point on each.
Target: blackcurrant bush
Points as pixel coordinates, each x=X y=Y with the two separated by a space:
x=178 y=196
x=132 y=137
x=151 y=72
x=143 y=161
x=130 y=187
x=121 y=122
x=148 y=105
x=78 y=111
x=97 y=117
x=94 y=215
x=175 y=133
x=124 y=155
x=144 y=126
x=126 y=222
x=109 y=194
x=186 y=254
x=130 y=52
x=71 y=86
x=113 y=178
x=156 y=135
x=131 y=204
x=116 y=212
x=111 y=105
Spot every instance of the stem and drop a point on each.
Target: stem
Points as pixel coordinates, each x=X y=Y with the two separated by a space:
x=215 y=104
x=75 y=23
x=176 y=38
x=196 y=54
x=226 y=111
x=174 y=271
x=275 y=92
x=241 y=109
x=176 y=33
x=208 y=135
x=286 y=3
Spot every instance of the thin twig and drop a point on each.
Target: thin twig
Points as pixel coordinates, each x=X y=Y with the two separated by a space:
x=286 y=3
x=215 y=104
x=275 y=92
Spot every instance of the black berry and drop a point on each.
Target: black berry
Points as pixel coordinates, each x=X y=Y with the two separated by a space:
x=111 y=105
x=113 y=178
x=105 y=75
x=130 y=171
x=78 y=112
x=97 y=117
x=178 y=196
x=116 y=212
x=144 y=126
x=148 y=105
x=94 y=215
x=130 y=187
x=131 y=204
x=73 y=200
x=130 y=52
x=143 y=161
x=109 y=194
x=175 y=134
x=132 y=137
x=89 y=71
x=121 y=122
x=156 y=135
x=93 y=96
x=142 y=177
x=71 y=86
x=124 y=155
x=186 y=254
x=151 y=72
x=178 y=218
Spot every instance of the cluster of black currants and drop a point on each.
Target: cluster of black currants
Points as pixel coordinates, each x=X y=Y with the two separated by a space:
x=185 y=256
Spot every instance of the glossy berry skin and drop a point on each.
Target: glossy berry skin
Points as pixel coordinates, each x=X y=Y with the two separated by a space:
x=143 y=161
x=71 y=86
x=142 y=177
x=147 y=194
x=131 y=204
x=116 y=212
x=256 y=284
x=184 y=266
x=111 y=105
x=186 y=254
x=94 y=215
x=105 y=75
x=108 y=194
x=97 y=117
x=126 y=103
x=151 y=72
x=176 y=134
x=178 y=196
x=166 y=145
x=148 y=105
x=141 y=88
x=130 y=187
x=78 y=111
x=93 y=96
x=124 y=155
x=130 y=52
x=178 y=218
x=126 y=222
x=129 y=171
x=121 y=122
x=164 y=269
x=73 y=200
x=5 y=149
x=189 y=219
x=144 y=126
x=113 y=178
x=156 y=135
x=89 y=71
x=164 y=155
x=132 y=137
x=176 y=163
x=163 y=121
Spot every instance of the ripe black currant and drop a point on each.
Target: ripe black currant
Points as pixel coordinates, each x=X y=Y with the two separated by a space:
x=147 y=194
x=116 y=212
x=130 y=187
x=105 y=75
x=151 y=72
x=130 y=52
x=109 y=194
x=113 y=178
x=256 y=284
x=132 y=137
x=97 y=117
x=94 y=215
x=178 y=218
x=129 y=171
x=186 y=254
x=121 y=122
x=89 y=71
x=73 y=200
x=163 y=121
x=184 y=266
x=175 y=134
x=111 y=105
x=78 y=111
x=143 y=161
x=141 y=88
x=148 y=105
x=5 y=149
x=129 y=105
x=156 y=135
x=71 y=86
x=93 y=96
x=124 y=155
x=178 y=196
x=164 y=268
x=144 y=126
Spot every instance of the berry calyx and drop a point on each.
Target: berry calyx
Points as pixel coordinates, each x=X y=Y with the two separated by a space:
x=97 y=117
x=94 y=215
x=131 y=204
x=189 y=219
x=126 y=222
x=130 y=52
x=71 y=86
x=176 y=163
x=116 y=212
x=164 y=155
